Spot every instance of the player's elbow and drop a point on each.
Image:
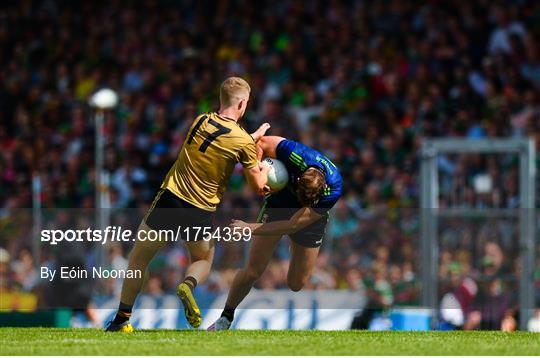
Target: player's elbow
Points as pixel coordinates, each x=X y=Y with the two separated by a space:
x=295 y=287
x=295 y=226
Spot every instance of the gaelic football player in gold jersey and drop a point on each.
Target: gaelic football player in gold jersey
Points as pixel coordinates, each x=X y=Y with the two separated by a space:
x=193 y=188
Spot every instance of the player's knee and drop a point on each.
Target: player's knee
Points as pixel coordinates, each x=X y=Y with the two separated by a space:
x=202 y=256
x=252 y=274
x=205 y=254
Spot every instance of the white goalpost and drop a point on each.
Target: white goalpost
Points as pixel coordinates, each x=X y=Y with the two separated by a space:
x=430 y=212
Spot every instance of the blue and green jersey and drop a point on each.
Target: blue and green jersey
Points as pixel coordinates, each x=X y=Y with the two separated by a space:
x=298 y=157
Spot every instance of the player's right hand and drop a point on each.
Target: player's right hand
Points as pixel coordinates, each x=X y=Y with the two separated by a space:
x=267 y=190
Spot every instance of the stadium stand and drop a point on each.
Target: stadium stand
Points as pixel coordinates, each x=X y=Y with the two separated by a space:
x=362 y=86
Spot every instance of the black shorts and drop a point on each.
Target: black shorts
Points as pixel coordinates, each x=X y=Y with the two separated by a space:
x=282 y=206
x=169 y=212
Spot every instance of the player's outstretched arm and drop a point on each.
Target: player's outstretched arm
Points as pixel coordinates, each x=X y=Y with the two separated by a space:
x=298 y=221
x=256 y=173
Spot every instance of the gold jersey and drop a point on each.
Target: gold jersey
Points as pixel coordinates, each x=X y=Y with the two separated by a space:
x=213 y=146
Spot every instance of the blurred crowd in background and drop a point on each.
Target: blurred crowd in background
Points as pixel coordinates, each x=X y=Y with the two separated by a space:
x=362 y=81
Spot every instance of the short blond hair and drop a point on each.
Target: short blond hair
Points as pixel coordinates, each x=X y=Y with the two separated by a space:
x=232 y=90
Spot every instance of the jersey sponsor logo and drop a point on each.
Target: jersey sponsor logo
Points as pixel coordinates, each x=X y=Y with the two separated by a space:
x=328 y=164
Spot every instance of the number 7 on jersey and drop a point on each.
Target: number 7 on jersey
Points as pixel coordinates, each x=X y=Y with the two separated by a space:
x=212 y=136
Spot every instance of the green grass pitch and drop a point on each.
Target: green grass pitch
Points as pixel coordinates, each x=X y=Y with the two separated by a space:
x=55 y=341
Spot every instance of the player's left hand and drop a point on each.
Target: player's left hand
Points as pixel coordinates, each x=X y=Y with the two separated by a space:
x=259 y=133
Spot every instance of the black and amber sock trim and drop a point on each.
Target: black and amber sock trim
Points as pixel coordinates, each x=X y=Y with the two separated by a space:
x=123 y=314
x=191 y=282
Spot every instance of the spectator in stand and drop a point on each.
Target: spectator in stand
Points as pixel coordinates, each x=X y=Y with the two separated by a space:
x=491 y=309
x=362 y=81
